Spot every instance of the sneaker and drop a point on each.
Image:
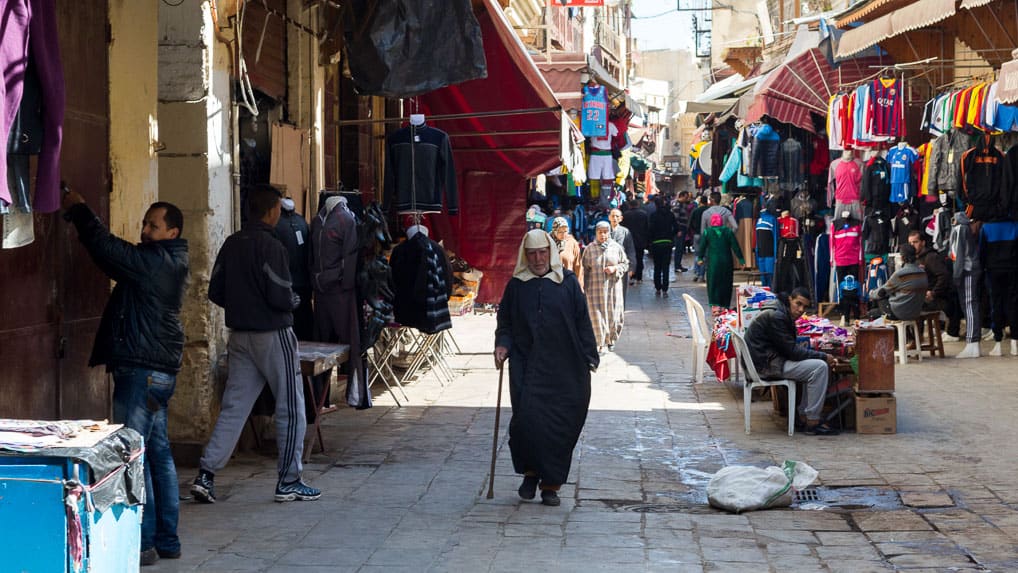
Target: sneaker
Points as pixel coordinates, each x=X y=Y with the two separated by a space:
x=611 y=348
x=664 y=293
x=657 y=292
x=528 y=489
x=168 y=554
x=297 y=490
x=149 y=557
x=821 y=430
x=203 y=489
x=551 y=498
x=948 y=338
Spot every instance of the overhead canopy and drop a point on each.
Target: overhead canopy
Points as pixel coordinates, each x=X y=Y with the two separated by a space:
x=912 y=17
x=1007 y=85
x=804 y=85
x=727 y=87
x=526 y=139
x=970 y=4
x=716 y=106
x=564 y=78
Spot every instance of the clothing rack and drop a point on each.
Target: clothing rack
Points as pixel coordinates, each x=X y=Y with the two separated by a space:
x=449 y=116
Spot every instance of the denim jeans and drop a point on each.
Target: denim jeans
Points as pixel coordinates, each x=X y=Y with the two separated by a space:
x=140 y=398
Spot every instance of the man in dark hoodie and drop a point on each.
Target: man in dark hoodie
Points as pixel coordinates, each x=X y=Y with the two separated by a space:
x=771 y=341
x=251 y=281
x=141 y=341
x=901 y=297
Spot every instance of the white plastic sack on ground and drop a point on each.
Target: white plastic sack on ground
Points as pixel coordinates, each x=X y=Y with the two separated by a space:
x=745 y=488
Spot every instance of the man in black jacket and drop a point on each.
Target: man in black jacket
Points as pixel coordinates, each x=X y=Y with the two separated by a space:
x=251 y=280
x=141 y=341
x=771 y=341
x=637 y=221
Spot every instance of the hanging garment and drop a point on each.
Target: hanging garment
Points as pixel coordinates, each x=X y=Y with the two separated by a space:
x=30 y=33
x=419 y=172
x=848 y=179
x=888 y=109
x=422 y=281
x=876 y=233
x=982 y=176
x=846 y=243
x=594 y=111
x=876 y=276
x=788 y=227
x=875 y=191
x=791 y=172
x=766 y=152
x=790 y=268
x=900 y=158
x=766 y=245
x=822 y=267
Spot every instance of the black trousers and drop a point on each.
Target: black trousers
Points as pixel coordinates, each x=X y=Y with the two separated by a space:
x=637 y=265
x=662 y=255
x=849 y=305
x=1003 y=290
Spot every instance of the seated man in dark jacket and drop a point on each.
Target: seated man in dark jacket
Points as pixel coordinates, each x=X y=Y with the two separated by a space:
x=771 y=341
x=940 y=293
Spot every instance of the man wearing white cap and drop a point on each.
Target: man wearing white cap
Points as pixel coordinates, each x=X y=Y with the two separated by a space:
x=544 y=331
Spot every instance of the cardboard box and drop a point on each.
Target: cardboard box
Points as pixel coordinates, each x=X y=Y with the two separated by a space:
x=876 y=414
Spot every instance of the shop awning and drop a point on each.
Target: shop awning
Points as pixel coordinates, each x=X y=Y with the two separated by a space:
x=525 y=138
x=912 y=17
x=970 y=4
x=727 y=88
x=802 y=85
x=717 y=106
x=1007 y=82
x=564 y=78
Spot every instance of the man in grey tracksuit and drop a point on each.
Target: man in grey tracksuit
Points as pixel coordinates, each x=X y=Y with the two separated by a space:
x=251 y=280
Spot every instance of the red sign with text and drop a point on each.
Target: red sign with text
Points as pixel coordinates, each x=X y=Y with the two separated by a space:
x=576 y=3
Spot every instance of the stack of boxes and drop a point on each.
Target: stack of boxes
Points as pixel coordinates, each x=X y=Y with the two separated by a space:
x=875 y=406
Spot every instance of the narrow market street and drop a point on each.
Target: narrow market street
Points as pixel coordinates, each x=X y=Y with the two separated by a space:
x=404 y=488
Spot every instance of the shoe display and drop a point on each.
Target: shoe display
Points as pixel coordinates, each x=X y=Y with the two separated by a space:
x=971 y=350
x=149 y=557
x=528 y=489
x=551 y=498
x=203 y=489
x=296 y=491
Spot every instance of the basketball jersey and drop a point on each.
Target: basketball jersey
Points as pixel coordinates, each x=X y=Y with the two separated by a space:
x=594 y=112
x=887 y=107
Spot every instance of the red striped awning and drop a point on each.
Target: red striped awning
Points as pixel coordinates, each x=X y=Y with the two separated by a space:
x=804 y=85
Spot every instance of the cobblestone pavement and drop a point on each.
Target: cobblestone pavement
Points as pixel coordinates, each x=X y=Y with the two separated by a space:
x=404 y=487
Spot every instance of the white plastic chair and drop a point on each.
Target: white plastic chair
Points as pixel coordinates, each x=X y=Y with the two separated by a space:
x=752 y=380
x=701 y=335
x=903 y=353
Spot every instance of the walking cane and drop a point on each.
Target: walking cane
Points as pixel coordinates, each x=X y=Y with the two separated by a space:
x=494 y=441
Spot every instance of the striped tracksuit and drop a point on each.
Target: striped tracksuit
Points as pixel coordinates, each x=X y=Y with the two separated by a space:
x=251 y=280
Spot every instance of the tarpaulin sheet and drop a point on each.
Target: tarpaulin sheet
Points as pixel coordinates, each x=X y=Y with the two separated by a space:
x=115 y=464
x=403 y=48
x=493 y=164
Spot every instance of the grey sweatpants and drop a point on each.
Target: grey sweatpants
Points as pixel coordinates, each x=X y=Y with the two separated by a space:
x=814 y=373
x=257 y=359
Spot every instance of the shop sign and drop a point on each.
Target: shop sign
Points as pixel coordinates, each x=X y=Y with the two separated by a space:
x=579 y=3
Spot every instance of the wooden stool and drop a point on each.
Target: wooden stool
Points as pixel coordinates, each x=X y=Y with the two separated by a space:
x=825 y=307
x=902 y=353
x=930 y=322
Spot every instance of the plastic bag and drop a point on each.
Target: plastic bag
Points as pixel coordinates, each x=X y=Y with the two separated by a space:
x=746 y=488
x=404 y=48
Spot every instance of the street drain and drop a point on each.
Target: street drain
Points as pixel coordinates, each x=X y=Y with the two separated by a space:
x=847 y=498
x=807 y=495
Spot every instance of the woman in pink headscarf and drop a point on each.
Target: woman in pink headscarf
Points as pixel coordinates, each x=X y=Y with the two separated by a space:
x=717 y=246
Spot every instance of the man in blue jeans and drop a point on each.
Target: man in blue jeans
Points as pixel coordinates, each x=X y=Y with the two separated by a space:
x=141 y=341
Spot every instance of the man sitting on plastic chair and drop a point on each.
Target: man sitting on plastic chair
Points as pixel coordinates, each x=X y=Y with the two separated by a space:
x=772 y=346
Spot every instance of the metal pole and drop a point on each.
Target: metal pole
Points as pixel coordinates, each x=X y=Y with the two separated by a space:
x=448 y=116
